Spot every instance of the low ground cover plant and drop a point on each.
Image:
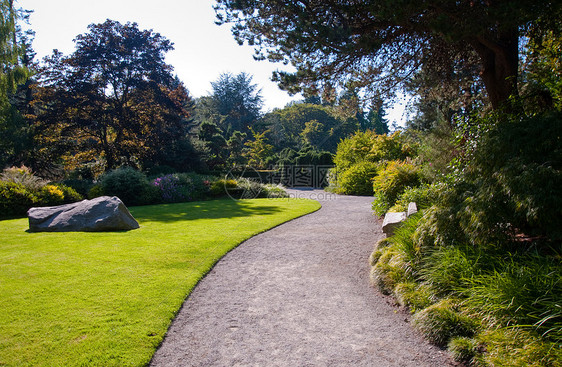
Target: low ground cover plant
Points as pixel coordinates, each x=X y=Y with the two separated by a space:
x=107 y=299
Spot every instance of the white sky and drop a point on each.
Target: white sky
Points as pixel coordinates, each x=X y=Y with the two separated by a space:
x=202 y=52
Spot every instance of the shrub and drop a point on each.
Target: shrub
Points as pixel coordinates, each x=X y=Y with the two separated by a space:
x=424 y=196
x=514 y=179
x=446 y=269
x=129 y=185
x=50 y=195
x=223 y=187
x=70 y=194
x=275 y=191
x=22 y=175
x=388 y=271
x=508 y=347
x=525 y=291
x=357 y=180
x=442 y=321
x=15 y=199
x=171 y=189
x=354 y=149
x=391 y=181
x=82 y=187
x=198 y=185
x=248 y=189
x=95 y=191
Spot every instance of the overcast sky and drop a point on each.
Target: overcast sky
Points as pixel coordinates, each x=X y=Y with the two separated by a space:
x=202 y=52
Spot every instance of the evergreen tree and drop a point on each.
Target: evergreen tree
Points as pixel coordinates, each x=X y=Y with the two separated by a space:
x=379 y=44
x=376 y=120
x=237 y=101
x=15 y=55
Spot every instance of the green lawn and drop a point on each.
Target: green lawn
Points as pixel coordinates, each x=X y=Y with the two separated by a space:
x=107 y=299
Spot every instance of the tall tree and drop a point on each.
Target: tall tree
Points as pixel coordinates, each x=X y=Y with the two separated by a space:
x=114 y=97
x=15 y=56
x=238 y=101
x=258 y=149
x=369 y=42
x=376 y=120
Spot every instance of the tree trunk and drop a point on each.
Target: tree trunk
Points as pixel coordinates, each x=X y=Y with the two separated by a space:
x=500 y=62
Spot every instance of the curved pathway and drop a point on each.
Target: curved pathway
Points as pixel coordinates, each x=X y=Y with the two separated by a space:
x=298 y=295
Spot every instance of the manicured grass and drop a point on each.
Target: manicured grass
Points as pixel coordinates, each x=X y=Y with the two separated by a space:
x=107 y=299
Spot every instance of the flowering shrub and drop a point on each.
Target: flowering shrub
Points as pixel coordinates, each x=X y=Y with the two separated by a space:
x=20 y=190
x=51 y=195
x=171 y=189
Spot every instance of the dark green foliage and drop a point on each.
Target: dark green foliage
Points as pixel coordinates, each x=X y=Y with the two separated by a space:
x=15 y=199
x=525 y=291
x=376 y=120
x=197 y=185
x=81 y=186
x=379 y=44
x=516 y=179
x=214 y=145
x=447 y=269
x=309 y=155
x=237 y=101
x=129 y=185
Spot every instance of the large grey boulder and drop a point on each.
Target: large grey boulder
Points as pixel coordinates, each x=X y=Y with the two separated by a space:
x=100 y=214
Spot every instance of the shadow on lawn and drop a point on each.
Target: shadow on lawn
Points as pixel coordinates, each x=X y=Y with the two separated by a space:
x=213 y=209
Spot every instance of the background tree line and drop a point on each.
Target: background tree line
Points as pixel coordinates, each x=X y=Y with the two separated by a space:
x=115 y=102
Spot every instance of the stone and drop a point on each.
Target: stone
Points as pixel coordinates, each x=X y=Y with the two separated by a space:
x=392 y=221
x=412 y=209
x=97 y=215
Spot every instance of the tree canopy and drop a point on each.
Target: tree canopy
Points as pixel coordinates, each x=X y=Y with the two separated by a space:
x=114 y=98
x=237 y=101
x=14 y=71
x=379 y=44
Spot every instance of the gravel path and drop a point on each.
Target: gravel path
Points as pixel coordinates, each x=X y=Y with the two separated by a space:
x=298 y=295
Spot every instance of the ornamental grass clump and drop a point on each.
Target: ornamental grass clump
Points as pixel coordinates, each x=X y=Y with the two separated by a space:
x=442 y=321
